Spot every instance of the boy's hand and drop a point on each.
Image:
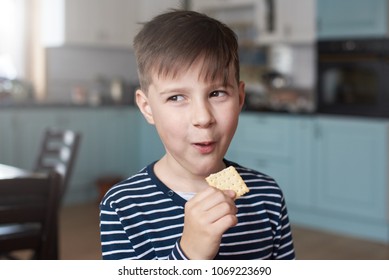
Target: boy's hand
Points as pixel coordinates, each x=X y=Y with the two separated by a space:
x=207 y=216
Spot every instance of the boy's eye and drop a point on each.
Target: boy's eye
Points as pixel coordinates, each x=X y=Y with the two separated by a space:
x=176 y=98
x=217 y=93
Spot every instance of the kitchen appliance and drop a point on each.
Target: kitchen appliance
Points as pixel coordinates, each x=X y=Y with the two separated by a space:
x=353 y=77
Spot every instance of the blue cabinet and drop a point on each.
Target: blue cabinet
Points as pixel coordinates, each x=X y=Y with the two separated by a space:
x=352 y=18
x=150 y=147
x=6 y=137
x=352 y=165
x=278 y=146
x=333 y=170
x=351 y=175
x=108 y=145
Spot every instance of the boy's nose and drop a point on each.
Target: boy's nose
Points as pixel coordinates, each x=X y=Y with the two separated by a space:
x=202 y=114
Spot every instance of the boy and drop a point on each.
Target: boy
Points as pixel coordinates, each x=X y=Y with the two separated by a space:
x=190 y=90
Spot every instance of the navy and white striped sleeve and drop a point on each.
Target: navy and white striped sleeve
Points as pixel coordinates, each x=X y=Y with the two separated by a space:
x=114 y=241
x=284 y=250
x=177 y=253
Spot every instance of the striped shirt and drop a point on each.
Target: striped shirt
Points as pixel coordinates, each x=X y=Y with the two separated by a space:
x=141 y=218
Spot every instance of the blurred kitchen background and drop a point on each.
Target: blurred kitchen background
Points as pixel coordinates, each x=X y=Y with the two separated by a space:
x=315 y=116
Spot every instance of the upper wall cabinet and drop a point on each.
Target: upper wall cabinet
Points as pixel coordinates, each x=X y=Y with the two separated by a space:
x=147 y=9
x=88 y=22
x=104 y=23
x=294 y=22
x=352 y=18
x=262 y=22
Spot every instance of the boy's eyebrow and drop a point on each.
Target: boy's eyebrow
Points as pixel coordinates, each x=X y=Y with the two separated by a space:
x=180 y=89
x=173 y=89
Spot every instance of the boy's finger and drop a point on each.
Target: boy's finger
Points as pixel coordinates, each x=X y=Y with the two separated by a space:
x=230 y=193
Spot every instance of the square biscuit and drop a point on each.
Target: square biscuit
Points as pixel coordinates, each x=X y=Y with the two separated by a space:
x=228 y=179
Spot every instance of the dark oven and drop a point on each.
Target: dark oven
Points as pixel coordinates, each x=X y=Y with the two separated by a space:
x=353 y=77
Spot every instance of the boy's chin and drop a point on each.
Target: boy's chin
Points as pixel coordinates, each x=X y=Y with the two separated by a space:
x=207 y=167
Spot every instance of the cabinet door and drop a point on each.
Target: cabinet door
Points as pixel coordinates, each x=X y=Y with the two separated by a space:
x=118 y=141
x=263 y=134
x=279 y=146
x=352 y=168
x=302 y=147
x=7 y=148
x=295 y=21
x=109 y=141
x=150 y=146
x=89 y=22
x=265 y=21
x=148 y=9
x=28 y=127
x=117 y=22
x=204 y=5
x=107 y=147
x=279 y=170
x=351 y=18
x=80 y=21
x=245 y=17
x=103 y=22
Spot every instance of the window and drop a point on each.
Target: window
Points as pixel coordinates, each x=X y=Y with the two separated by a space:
x=12 y=39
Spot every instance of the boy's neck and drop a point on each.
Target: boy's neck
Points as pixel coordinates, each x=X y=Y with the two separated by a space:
x=177 y=178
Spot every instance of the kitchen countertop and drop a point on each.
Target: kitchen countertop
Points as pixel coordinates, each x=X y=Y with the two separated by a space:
x=121 y=106
x=246 y=109
x=37 y=105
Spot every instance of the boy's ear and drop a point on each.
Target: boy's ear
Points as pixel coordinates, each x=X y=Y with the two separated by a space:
x=242 y=94
x=143 y=104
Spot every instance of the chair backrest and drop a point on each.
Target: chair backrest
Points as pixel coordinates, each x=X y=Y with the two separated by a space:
x=31 y=200
x=58 y=152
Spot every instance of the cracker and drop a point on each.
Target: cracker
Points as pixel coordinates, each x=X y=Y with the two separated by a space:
x=228 y=179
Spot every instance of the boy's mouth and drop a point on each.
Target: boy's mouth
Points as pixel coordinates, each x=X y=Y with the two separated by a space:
x=205 y=147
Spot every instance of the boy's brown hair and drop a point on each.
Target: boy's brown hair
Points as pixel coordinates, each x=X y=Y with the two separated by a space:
x=173 y=41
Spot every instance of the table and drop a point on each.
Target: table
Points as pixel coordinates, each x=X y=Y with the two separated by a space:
x=9 y=172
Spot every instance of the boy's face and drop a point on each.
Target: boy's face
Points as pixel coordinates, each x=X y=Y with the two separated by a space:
x=195 y=120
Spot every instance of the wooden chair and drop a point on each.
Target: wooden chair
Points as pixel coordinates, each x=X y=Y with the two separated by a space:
x=58 y=152
x=29 y=215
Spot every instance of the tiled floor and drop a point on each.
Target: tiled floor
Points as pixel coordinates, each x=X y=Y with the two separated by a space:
x=80 y=239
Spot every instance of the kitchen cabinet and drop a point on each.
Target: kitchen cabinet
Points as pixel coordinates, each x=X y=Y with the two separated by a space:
x=27 y=132
x=279 y=147
x=6 y=138
x=294 y=23
x=351 y=171
x=109 y=141
x=333 y=170
x=150 y=146
x=352 y=18
x=264 y=22
x=103 y=23
x=89 y=22
x=147 y=9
